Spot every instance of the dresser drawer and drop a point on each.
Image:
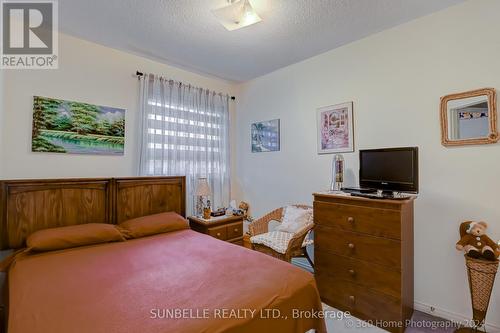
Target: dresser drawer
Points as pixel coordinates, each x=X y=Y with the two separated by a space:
x=368 y=275
x=362 y=302
x=234 y=230
x=373 y=221
x=378 y=250
x=218 y=232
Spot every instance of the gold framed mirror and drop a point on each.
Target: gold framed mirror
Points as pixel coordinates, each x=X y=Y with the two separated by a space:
x=469 y=118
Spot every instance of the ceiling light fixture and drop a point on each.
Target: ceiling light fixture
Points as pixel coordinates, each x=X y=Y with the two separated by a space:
x=238 y=14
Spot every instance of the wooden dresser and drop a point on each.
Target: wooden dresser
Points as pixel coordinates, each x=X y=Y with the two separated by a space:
x=363 y=251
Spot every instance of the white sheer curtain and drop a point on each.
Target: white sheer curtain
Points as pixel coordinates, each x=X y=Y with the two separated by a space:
x=185 y=131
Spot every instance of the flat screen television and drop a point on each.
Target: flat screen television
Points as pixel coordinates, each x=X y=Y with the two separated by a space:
x=389 y=169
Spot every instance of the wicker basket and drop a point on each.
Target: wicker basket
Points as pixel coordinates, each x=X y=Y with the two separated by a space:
x=481 y=275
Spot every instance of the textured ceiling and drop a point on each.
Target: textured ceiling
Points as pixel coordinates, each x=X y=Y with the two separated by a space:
x=185 y=32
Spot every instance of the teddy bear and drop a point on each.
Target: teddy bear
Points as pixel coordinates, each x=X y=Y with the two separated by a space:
x=244 y=207
x=475 y=243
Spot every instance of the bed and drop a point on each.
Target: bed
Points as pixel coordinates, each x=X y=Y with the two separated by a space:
x=181 y=281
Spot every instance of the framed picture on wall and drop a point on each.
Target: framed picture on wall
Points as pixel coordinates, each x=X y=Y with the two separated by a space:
x=61 y=126
x=265 y=136
x=335 y=129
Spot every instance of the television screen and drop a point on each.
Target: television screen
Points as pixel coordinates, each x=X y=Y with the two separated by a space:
x=393 y=169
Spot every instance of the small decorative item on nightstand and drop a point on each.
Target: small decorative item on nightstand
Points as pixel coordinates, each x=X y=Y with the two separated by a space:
x=207 y=212
x=245 y=208
x=202 y=193
x=218 y=212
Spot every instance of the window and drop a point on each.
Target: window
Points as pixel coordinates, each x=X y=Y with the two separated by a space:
x=185 y=132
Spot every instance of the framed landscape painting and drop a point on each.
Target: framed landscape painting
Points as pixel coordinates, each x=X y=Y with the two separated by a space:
x=61 y=126
x=335 y=129
x=265 y=136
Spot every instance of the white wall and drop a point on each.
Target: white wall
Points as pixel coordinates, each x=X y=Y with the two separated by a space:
x=88 y=73
x=395 y=79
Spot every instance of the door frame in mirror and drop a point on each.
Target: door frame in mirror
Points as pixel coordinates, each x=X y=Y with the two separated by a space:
x=492 y=116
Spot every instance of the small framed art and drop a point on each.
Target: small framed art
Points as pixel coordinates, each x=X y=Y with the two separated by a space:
x=265 y=136
x=335 y=129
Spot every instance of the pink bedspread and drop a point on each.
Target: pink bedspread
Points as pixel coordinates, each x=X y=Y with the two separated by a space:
x=177 y=282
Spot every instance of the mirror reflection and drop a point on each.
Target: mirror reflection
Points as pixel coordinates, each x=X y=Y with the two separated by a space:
x=468 y=118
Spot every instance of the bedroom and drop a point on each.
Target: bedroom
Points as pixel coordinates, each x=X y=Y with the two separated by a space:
x=391 y=60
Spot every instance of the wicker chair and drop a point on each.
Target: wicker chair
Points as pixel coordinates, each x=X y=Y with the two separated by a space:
x=295 y=246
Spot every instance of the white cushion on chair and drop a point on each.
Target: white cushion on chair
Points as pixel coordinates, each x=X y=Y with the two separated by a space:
x=272 y=225
x=295 y=219
x=276 y=240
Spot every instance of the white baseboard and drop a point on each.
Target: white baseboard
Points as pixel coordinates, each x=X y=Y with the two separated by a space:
x=432 y=310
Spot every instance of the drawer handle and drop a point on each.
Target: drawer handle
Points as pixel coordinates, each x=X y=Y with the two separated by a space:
x=218 y=234
x=351 y=246
x=236 y=229
x=350 y=219
x=352 y=272
x=352 y=299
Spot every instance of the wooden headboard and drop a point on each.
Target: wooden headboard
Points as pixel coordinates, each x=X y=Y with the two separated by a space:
x=30 y=205
x=135 y=197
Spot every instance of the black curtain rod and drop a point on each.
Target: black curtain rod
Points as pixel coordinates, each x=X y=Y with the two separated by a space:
x=140 y=74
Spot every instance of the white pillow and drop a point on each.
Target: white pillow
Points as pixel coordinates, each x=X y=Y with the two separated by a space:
x=295 y=219
x=273 y=224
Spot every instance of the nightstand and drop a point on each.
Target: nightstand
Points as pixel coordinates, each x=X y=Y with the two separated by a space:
x=226 y=228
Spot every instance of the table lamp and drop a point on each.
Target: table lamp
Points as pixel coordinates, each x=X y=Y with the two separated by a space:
x=202 y=191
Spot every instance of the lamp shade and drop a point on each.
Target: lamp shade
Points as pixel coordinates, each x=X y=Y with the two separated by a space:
x=202 y=188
